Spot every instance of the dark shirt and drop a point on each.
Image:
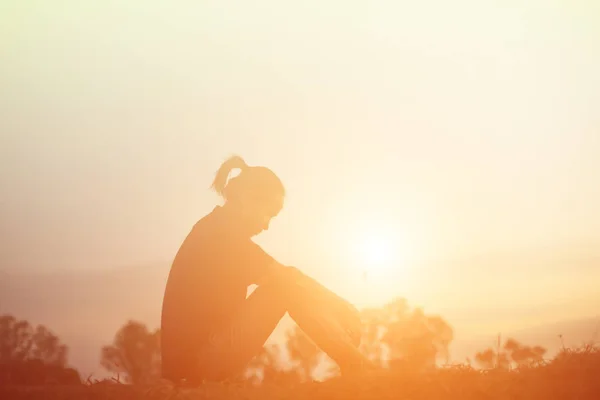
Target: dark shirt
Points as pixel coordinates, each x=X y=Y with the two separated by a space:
x=207 y=283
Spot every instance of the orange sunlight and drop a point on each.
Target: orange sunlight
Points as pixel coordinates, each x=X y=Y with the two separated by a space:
x=243 y=200
x=381 y=253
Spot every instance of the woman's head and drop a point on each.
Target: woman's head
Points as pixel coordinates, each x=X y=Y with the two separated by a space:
x=255 y=195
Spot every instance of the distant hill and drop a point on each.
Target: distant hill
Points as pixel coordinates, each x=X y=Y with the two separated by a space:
x=574 y=333
x=85 y=308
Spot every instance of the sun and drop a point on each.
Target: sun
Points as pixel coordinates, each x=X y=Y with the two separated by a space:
x=376 y=248
x=380 y=253
x=376 y=251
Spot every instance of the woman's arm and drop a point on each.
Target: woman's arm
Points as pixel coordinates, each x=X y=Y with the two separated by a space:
x=265 y=269
x=257 y=265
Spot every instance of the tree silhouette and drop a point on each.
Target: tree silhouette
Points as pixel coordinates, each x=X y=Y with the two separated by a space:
x=31 y=355
x=512 y=354
x=393 y=336
x=418 y=340
x=135 y=352
x=16 y=339
x=491 y=358
x=47 y=347
x=399 y=337
x=19 y=341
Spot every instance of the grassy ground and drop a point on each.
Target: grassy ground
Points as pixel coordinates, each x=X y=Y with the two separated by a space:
x=576 y=377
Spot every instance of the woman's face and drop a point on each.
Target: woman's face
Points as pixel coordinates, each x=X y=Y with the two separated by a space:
x=257 y=213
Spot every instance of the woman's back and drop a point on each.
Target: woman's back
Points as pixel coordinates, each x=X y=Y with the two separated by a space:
x=207 y=283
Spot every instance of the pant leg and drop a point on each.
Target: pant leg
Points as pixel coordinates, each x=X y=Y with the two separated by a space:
x=319 y=320
x=231 y=348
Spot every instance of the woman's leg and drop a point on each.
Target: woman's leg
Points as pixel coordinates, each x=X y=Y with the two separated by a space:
x=230 y=349
x=332 y=323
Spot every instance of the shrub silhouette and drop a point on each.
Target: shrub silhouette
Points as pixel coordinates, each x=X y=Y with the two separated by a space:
x=32 y=356
x=512 y=355
x=394 y=336
x=398 y=337
x=135 y=352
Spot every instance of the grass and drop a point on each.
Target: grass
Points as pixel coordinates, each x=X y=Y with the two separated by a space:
x=573 y=375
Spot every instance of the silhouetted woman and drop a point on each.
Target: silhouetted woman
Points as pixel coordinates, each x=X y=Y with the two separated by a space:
x=209 y=329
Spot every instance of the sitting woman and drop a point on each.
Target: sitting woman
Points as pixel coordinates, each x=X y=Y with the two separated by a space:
x=210 y=330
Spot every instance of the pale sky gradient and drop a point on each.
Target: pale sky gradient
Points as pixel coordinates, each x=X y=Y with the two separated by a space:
x=454 y=128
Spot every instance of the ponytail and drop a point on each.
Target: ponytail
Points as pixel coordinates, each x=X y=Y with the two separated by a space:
x=220 y=181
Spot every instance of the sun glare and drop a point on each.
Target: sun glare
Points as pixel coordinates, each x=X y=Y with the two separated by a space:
x=380 y=254
x=381 y=257
x=377 y=247
x=376 y=251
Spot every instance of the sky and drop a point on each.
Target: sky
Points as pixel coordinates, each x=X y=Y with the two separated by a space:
x=446 y=131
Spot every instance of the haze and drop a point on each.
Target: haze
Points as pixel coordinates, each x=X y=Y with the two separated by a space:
x=463 y=130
